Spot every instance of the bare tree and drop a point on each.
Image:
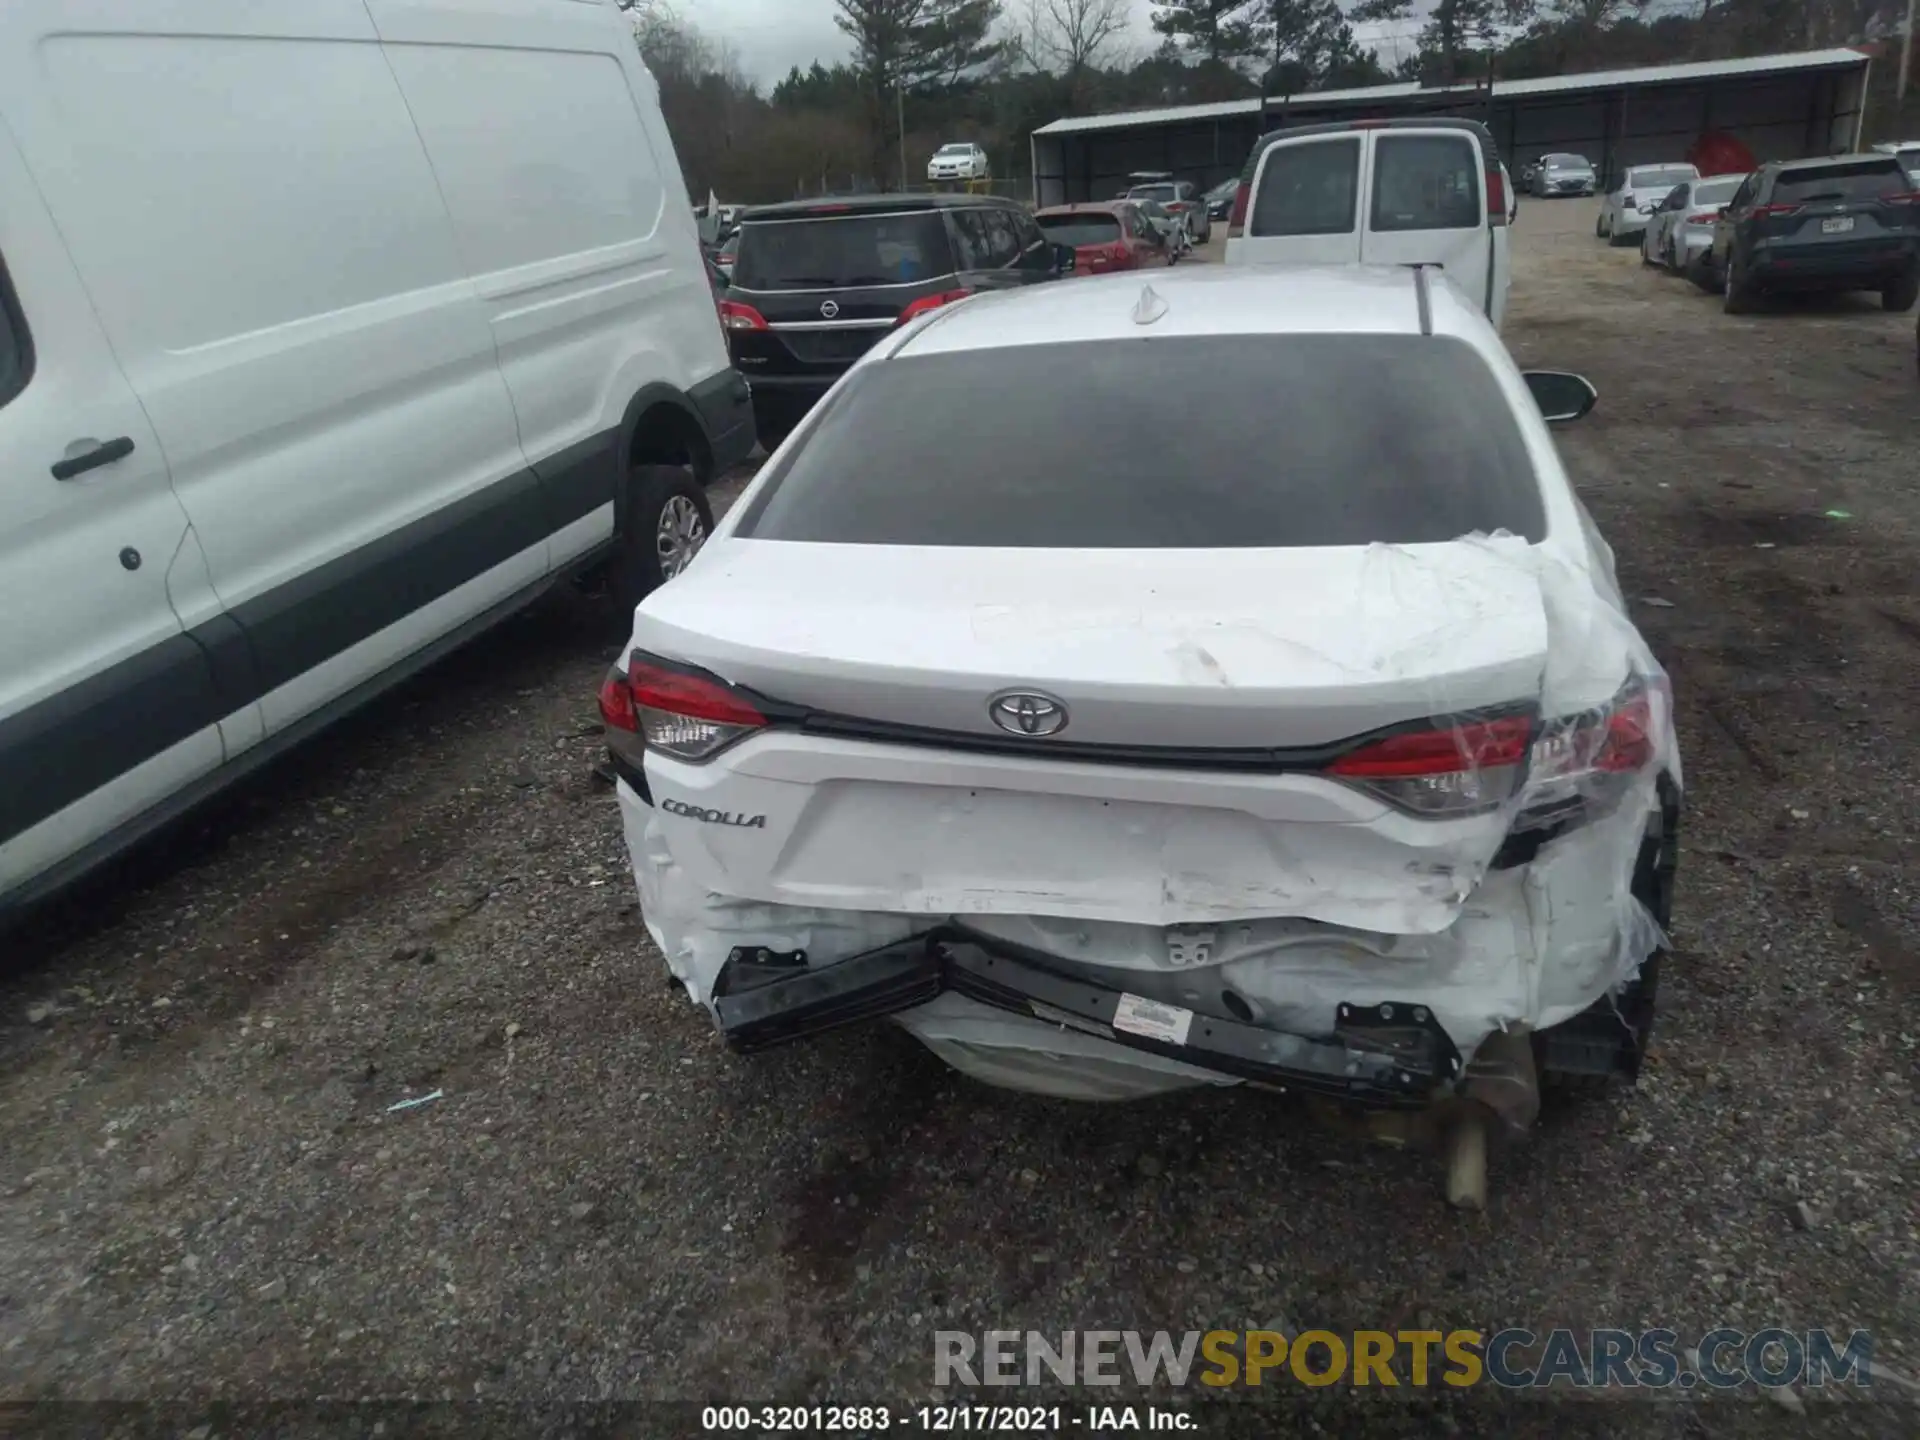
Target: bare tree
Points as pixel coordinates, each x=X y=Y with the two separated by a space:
x=1073 y=35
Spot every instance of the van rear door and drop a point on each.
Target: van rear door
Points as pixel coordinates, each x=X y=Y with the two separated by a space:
x=1427 y=204
x=1304 y=207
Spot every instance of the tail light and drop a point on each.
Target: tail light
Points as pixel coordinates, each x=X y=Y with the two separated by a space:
x=1237 y=221
x=735 y=316
x=1584 y=763
x=1705 y=218
x=1453 y=770
x=1901 y=197
x=1496 y=198
x=1177 y=207
x=622 y=727
x=689 y=717
x=1790 y=209
x=930 y=302
x=1121 y=254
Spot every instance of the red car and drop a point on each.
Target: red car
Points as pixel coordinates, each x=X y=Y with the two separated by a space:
x=1106 y=235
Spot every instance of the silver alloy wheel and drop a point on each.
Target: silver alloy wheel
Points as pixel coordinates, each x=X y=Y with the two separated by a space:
x=679 y=536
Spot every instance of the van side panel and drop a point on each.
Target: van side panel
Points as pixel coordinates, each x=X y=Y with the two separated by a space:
x=560 y=202
x=293 y=311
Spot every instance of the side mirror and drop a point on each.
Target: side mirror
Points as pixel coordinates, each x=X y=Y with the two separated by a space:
x=1562 y=397
x=1065 y=259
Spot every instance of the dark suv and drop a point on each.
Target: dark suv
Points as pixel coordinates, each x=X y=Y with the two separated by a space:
x=1847 y=222
x=818 y=283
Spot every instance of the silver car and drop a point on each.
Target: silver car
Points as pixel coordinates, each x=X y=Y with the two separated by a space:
x=1631 y=203
x=1564 y=175
x=1681 y=230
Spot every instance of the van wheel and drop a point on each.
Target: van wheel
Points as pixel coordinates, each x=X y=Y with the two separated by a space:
x=668 y=519
x=1900 y=295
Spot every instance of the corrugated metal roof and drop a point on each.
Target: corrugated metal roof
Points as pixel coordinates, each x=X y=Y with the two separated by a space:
x=1803 y=60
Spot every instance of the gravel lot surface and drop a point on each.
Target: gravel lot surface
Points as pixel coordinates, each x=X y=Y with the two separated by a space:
x=204 y=1193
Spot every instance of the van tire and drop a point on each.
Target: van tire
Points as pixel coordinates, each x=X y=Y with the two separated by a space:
x=1898 y=297
x=659 y=499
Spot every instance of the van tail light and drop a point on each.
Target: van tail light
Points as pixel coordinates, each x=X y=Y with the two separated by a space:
x=930 y=302
x=1496 y=198
x=1792 y=209
x=1237 y=221
x=735 y=316
x=673 y=712
x=1457 y=769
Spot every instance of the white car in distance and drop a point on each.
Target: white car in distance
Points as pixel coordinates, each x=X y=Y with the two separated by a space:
x=961 y=160
x=1336 y=765
x=1630 y=203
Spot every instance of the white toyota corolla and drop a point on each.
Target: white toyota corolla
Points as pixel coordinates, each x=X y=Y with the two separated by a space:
x=1232 y=690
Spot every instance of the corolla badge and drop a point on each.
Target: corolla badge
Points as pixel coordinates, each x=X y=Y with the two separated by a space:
x=1026 y=712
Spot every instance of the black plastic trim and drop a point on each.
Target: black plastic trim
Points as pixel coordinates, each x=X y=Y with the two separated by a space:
x=66 y=746
x=16 y=319
x=578 y=480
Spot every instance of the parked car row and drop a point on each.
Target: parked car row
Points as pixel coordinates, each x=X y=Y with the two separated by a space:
x=1826 y=225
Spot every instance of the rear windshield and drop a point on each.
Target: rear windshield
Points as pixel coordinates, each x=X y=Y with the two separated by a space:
x=1857 y=180
x=1659 y=178
x=1153 y=192
x=1715 y=192
x=1079 y=229
x=1566 y=162
x=1426 y=182
x=897 y=249
x=1307 y=189
x=1188 y=442
x=958 y=149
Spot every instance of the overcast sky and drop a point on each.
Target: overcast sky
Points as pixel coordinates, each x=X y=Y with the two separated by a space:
x=772 y=36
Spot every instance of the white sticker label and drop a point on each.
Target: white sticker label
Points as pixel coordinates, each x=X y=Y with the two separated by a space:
x=1138 y=1015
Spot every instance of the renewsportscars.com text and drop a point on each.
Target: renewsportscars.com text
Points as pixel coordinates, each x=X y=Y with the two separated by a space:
x=1513 y=1359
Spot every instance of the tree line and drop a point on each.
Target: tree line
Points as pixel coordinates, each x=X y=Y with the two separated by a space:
x=919 y=73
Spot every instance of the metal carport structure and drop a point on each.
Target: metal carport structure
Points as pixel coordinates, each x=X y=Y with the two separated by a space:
x=1782 y=107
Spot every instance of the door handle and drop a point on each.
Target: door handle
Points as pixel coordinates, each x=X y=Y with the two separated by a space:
x=78 y=461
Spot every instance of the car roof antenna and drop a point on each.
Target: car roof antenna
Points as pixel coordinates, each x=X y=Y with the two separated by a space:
x=1150 y=308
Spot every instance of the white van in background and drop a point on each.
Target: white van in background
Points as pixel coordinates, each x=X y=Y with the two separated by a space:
x=330 y=333
x=1421 y=191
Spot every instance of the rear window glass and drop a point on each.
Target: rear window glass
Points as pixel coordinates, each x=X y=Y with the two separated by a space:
x=1162 y=193
x=1860 y=180
x=1189 y=442
x=1307 y=189
x=1660 y=178
x=1715 y=192
x=1426 y=182
x=1566 y=162
x=1080 y=229
x=825 y=254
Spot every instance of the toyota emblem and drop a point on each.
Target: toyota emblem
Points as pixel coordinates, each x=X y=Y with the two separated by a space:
x=829 y=308
x=1023 y=712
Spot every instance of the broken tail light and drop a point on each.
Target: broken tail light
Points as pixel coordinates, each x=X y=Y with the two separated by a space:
x=687 y=716
x=1449 y=770
x=1582 y=764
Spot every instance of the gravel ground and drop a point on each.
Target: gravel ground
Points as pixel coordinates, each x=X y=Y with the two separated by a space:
x=204 y=1194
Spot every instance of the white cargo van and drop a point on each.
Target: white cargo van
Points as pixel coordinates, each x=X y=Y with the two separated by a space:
x=1426 y=190
x=329 y=334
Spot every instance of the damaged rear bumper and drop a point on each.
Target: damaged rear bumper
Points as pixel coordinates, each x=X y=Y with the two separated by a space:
x=1383 y=1055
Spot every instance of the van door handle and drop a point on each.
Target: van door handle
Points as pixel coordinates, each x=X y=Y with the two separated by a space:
x=100 y=452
